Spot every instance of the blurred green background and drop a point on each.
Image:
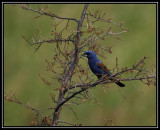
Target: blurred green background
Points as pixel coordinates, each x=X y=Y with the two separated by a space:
x=22 y=66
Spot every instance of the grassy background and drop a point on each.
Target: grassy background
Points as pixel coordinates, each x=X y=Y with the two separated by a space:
x=22 y=66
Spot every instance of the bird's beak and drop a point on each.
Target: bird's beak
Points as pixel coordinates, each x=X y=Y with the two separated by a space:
x=84 y=55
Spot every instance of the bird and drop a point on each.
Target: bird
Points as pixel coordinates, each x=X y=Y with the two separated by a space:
x=98 y=68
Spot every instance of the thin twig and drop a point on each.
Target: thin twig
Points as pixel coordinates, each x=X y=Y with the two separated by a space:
x=43 y=12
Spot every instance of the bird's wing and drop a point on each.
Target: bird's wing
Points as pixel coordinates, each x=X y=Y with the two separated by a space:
x=104 y=68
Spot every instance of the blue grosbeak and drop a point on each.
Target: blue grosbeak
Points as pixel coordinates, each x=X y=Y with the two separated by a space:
x=98 y=68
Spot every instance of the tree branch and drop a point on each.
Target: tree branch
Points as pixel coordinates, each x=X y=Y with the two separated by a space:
x=43 y=12
x=74 y=61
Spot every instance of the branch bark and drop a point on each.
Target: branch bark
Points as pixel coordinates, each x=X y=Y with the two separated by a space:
x=74 y=61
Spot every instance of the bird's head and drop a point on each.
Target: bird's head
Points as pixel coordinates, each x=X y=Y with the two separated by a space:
x=90 y=55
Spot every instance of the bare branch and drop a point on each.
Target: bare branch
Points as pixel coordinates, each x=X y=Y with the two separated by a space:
x=43 y=12
x=14 y=98
x=74 y=60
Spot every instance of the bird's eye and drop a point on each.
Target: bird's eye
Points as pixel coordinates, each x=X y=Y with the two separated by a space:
x=87 y=53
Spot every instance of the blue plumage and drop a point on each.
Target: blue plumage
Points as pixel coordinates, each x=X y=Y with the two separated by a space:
x=97 y=67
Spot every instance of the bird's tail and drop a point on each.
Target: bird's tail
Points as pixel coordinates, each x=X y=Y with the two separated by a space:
x=120 y=84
